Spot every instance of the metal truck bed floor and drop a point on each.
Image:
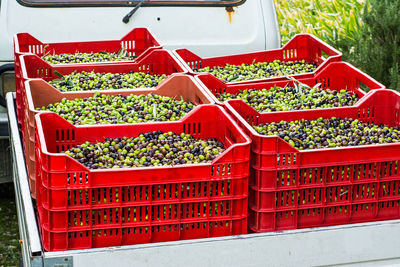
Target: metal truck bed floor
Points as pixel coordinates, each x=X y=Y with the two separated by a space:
x=366 y=244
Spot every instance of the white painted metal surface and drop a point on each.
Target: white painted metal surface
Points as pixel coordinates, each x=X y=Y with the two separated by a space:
x=28 y=230
x=208 y=31
x=366 y=244
x=374 y=243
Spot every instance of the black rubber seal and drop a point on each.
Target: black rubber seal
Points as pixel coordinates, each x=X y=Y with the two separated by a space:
x=127 y=3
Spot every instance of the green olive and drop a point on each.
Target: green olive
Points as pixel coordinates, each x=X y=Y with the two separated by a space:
x=258 y=70
x=118 y=109
x=330 y=133
x=292 y=98
x=84 y=81
x=147 y=149
x=66 y=58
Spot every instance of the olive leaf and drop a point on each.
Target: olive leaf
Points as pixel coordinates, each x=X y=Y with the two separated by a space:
x=58 y=74
x=317 y=85
x=44 y=50
x=66 y=79
x=70 y=83
x=122 y=52
x=298 y=86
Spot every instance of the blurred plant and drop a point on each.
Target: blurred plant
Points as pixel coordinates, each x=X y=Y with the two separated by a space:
x=377 y=50
x=336 y=22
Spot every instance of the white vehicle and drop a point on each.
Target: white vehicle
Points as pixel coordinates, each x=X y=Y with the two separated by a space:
x=207 y=27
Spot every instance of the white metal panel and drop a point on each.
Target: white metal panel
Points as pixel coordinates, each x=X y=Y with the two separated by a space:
x=366 y=244
x=28 y=228
x=206 y=30
x=272 y=30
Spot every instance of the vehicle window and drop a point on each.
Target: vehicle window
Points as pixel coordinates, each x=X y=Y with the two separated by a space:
x=83 y=3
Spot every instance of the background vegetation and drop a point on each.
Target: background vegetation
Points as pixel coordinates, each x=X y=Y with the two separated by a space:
x=367 y=32
x=334 y=21
x=378 y=50
x=10 y=250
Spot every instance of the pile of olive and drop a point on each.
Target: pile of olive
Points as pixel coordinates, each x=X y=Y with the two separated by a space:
x=83 y=81
x=258 y=70
x=148 y=149
x=329 y=133
x=109 y=109
x=86 y=57
x=292 y=98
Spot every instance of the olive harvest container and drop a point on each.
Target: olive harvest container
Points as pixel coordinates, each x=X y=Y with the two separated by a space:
x=301 y=47
x=39 y=94
x=138 y=42
x=84 y=208
x=291 y=188
x=32 y=66
x=335 y=76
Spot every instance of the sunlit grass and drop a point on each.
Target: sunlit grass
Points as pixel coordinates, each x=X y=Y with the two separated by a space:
x=333 y=21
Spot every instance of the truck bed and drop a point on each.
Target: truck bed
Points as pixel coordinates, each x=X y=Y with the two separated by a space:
x=366 y=244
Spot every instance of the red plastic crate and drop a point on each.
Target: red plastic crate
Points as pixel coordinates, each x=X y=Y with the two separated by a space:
x=139 y=42
x=81 y=208
x=155 y=62
x=335 y=76
x=39 y=94
x=301 y=46
x=291 y=189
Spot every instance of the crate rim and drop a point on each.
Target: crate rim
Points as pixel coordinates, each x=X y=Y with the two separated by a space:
x=276 y=49
x=138 y=61
x=337 y=56
x=286 y=78
x=257 y=135
x=43 y=146
x=16 y=42
x=145 y=91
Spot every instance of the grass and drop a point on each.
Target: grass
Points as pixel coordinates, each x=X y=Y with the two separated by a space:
x=10 y=250
x=334 y=21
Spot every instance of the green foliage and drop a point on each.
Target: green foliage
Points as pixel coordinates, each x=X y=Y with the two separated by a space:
x=10 y=250
x=335 y=21
x=377 y=51
x=367 y=32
